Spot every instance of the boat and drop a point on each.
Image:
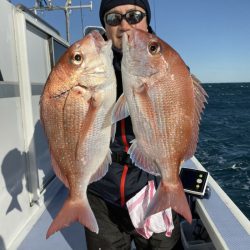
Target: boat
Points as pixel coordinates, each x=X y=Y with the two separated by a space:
x=30 y=194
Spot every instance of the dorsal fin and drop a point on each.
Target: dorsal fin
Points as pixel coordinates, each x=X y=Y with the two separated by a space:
x=200 y=100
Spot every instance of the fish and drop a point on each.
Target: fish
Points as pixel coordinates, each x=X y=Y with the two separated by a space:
x=75 y=110
x=165 y=104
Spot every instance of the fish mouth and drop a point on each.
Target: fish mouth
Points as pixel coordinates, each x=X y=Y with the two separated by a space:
x=103 y=49
x=131 y=46
x=97 y=36
x=126 y=49
x=125 y=43
x=99 y=41
x=129 y=58
x=129 y=40
x=135 y=58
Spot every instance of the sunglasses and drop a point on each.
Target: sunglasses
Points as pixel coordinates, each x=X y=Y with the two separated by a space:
x=132 y=17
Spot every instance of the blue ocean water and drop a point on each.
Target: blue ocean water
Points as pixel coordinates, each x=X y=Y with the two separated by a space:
x=224 y=140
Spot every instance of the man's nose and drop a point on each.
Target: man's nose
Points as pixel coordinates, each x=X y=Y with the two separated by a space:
x=125 y=26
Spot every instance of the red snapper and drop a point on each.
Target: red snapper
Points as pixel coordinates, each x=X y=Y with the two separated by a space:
x=165 y=105
x=76 y=107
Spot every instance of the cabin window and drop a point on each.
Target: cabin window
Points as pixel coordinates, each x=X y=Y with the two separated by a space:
x=56 y=50
x=43 y=53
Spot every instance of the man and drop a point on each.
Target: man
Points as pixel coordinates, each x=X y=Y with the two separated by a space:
x=108 y=196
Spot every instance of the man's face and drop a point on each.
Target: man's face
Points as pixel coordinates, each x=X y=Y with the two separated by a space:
x=115 y=32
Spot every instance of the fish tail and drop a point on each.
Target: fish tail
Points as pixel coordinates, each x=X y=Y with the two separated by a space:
x=14 y=205
x=169 y=195
x=74 y=211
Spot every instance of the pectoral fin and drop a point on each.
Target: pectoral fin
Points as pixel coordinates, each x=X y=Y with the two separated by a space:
x=141 y=160
x=113 y=131
x=120 y=110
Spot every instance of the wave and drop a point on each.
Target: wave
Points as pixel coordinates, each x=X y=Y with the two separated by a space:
x=224 y=139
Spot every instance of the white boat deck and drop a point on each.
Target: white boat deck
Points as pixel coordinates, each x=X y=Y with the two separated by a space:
x=69 y=238
x=227 y=226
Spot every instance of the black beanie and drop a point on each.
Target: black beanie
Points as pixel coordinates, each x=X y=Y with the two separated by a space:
x=107 y=5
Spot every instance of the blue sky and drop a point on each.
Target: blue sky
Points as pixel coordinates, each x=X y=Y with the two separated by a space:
x=212 y=36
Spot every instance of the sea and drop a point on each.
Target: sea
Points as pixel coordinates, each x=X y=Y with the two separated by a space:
x=224 y=140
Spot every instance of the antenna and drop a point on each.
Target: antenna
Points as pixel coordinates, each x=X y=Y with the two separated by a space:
x=154 y=18
x=47 y=5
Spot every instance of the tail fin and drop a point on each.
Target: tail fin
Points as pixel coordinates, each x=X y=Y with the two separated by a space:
x=170 y=196
x=14 y=204
x=74 y=211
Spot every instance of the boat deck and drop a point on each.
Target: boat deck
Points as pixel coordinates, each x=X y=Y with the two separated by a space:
x=72 y=237
x=228 y=228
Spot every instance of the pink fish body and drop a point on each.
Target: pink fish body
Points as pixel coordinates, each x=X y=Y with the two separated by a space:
x=76 y=107
x=165 y=106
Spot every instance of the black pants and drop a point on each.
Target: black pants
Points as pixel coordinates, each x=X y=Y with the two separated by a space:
x=116 y=230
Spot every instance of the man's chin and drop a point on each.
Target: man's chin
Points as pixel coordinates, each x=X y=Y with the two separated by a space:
x=117 y=49
x=118 y=43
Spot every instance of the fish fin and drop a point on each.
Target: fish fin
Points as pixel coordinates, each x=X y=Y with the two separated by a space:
x=169 y=195
x=113 y=131
x=200 y=100
x=58 y=171
x=120 y=110
x=141 y=160
x=14 y=205
x=103 y=169
x=72 y=211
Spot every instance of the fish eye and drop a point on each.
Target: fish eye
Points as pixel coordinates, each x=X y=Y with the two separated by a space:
x=154 y=48
x=77 y=58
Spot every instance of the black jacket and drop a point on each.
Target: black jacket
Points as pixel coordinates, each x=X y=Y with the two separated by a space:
x=123 y=180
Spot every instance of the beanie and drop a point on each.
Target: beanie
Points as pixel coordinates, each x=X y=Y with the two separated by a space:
x=107 y=5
